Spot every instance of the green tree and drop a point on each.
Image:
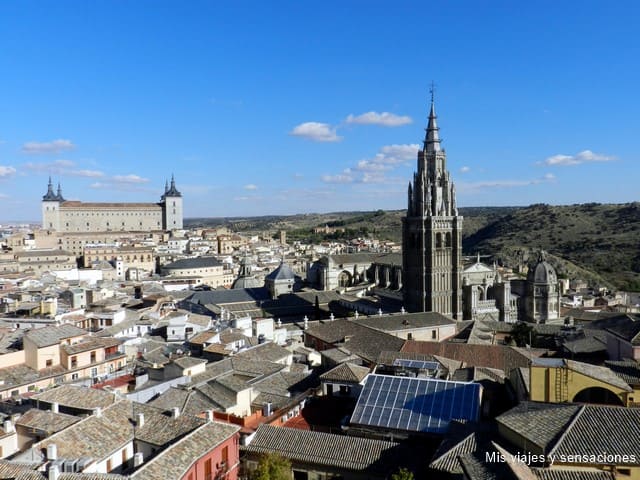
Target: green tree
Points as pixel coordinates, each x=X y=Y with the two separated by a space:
x=402 y=474
x=272 y=466
x=522 y=334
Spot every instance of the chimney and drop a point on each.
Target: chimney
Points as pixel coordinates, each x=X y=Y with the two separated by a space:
x=52 y=452
x=175 y=412
x=55 y=407
x=97 y=412
x=54 y=472
x=8 y=426
x=209 y=415
x=138 y=459
x=140 y=420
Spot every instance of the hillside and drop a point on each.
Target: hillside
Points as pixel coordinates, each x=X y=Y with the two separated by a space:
x=599 y=242
x=602 y=238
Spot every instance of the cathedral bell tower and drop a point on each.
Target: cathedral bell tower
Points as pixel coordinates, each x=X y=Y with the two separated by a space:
x=432 y=233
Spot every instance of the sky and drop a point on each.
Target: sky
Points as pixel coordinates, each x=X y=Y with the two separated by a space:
x=286 y=107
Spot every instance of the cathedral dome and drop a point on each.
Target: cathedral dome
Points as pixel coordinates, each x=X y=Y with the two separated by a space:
x=542 y=271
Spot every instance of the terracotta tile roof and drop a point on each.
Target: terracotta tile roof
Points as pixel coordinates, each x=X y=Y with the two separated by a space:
x=174 y=461
x=345 y=372
x=602 y=429
x=541 y=423
x=21 y=471
x=577 y=430
x=46 y=420
x=317 y=448
x=91 y=343
x=77 y=397
x=98 y=436
x=407 y=321
x=52 y=335
x=572 y=474
x=627 y=370
x=269 y=351
x=492 y=356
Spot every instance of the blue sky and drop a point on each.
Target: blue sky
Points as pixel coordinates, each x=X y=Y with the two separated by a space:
x=291 y=107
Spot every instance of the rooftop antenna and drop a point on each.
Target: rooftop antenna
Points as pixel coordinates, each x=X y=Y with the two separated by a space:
x=432 y=90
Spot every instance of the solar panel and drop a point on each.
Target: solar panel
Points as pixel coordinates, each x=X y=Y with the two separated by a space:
x=422 y=364
x=415 y=404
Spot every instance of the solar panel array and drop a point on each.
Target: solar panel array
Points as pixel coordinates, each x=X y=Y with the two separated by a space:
x=422 y=364
x=415 y=404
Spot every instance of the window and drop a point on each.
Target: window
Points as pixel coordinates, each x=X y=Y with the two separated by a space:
x=207 y=469
x=93 y=357
x=49 y=363
x=434 y=334
x=409 y=336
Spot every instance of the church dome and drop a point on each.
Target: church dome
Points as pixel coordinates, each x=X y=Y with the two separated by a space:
x=542 y=271
x=283 y=272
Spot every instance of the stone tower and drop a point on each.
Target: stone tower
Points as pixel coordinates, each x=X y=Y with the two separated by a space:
x=51 y=207
x=432 y=233
x=172 y=205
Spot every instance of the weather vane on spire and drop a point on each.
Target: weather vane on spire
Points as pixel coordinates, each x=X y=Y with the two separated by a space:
x=432 y=90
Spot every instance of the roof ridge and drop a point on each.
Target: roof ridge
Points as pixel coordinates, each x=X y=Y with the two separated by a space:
x=567 y=429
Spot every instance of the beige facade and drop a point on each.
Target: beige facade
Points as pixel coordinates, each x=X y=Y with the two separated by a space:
x=41 y=261
x=66 y=216
x=207 y=270
x=228 y=243
x=132 y=257
x=57 y=354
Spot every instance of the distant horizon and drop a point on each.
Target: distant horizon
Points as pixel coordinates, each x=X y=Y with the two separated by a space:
x=4 y=223
x=261 y=109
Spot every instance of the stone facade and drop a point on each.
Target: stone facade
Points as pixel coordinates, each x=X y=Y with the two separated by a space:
x=432 y=234
x=66 y=216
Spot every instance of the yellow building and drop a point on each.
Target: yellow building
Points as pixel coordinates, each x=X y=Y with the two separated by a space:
x=557 y=380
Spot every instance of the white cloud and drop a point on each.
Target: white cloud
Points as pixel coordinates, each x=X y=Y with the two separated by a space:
x=389 y=157
x=585 y=156
x=384 y=119
x=55 y=146
x=318 y=132
x=250 y=186
x=131 y=178
x=474 y=187
x=6 y=171
x=57 y=167
x=62 y=167
x=371 y=170
x=465 y=169
x=87 y=173
x=344 y=177
x=4 y=196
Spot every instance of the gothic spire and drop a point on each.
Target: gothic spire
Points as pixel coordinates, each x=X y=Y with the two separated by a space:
x=172 y=191
x=432 y=139
x=59 y=196
x=49 y=196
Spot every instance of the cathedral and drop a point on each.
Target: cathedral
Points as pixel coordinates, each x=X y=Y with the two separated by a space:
x=432 y=233
x=433 y=278
x=66 y=216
